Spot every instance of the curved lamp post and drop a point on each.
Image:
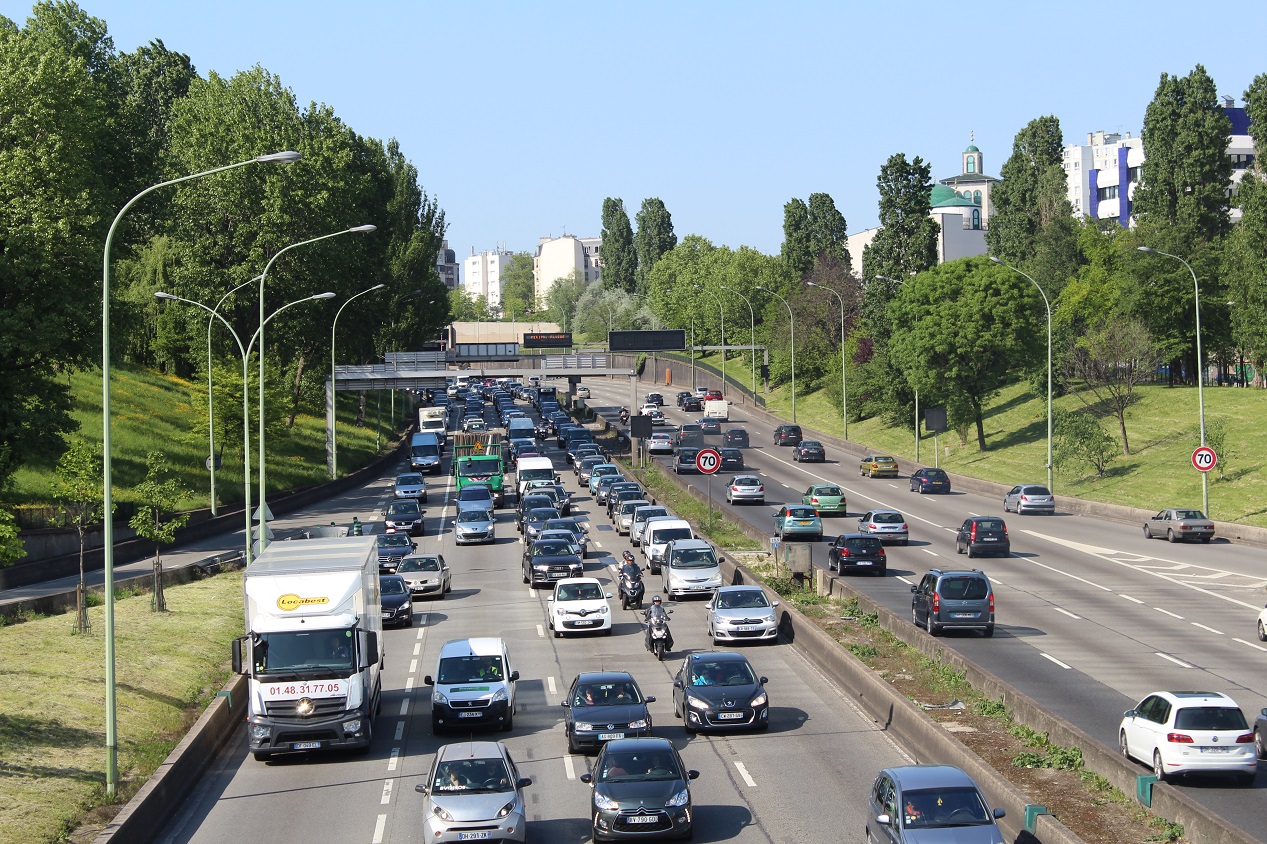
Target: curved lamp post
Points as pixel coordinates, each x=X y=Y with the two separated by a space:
x=721 y=309
x=1046 y=304
x=791 y=320
x=263 y=277
x=752 y=332
x=334 y=392
x=844 y=384
x=211 y=402
x=107 y=466
x=1196 y=299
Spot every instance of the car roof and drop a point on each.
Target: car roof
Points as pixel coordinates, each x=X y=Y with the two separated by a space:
x=470 y=750
x=959 y=573
x=1199 y=698
x=718 y=656
x=593 y=580
x=886 y=510
x=744 y=477
x=633 y=745
x=743 y=587
x=478 y=646
x=910 y=777
x=605 y=677
x=692 y=543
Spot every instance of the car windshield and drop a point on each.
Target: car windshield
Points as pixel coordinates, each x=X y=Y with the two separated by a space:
x=1210 y=718
x=402 y=508
x=723 y=674
x=964 y=588
x=469 y=669
x=542 y=514
x=563 y=524
x=1189 y=514
x=419 y=564
x=887 y=518
x=409 y=480
x=393 y=540
x=943 y=807
x=693 y=559
x=606 y=694
x=641 y=765
x=551 y=548
x=650 y=513
x=475 y=516
x=542 y=474
x=580 y=592
x=828 y=491
x=745 y=599
x=472 y=776
x=800 y=513
x=392 y=587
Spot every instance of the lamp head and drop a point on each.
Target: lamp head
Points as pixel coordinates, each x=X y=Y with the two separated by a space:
x=996 y=260
x=811 y=284
x=1148 y=249
x=283 y=157
x=158 y=294
x=326 y=295
x=365 y=228
x=378 y=287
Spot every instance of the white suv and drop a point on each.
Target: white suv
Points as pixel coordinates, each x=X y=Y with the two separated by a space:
x=1189 y=733
x=579 y=605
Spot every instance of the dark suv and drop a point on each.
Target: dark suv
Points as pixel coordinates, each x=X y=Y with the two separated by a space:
x=857 y=552
x=982 y=535
x=953 y=600
x=787 y=435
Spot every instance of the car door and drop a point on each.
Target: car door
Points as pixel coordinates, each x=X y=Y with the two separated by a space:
x=921 y=597
x=679 y=687
x=965 y=532
x=883 y=802
x=1136 y=729
x=864 y=522
x=1013 y=496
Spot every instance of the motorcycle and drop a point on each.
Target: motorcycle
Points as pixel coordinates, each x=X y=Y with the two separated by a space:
x=659 y=639
x=631 y=588
x=624 y=416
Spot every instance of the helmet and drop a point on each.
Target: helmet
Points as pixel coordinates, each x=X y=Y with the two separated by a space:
x=655 y=599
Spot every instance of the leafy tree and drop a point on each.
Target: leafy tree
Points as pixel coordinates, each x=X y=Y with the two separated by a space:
x=81 y=497
x=1081 y=439
x=156 y=498
x=968 y=326
x=620 y=260
x=518 y=287
x=1186 y=171
x=797 y=251
x=465 y=306
x=1110 y=360
x=654 y=238
x=11 y=547
x=1245 y=256
x=907 y=241
x=600 y=304
x=828 y=233
x=1017 y=217
x=562 y=297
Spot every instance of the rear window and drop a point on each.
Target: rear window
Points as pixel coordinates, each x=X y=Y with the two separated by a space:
x=863 y=543
x=935 y=474
x=1210 y=718
x=989 y=524
x=964 y=588
x=887 y=518
x=801 y=512
x=1036 y=490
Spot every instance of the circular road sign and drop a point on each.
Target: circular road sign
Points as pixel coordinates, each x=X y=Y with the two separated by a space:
x=1204 y=459
x=708 y=461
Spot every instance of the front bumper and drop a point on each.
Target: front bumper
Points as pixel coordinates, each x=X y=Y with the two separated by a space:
x=467 y=714
x=425 y=587
x=325 y=730
x=728 y=719
x=762 y=632
x=617 y=824
x=576 y=624
x=593 y=738
x=539 y=576
x=473 y=537
x=400 y=615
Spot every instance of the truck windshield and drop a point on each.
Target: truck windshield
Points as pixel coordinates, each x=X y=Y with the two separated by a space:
x=481 y=468
x=308 y=651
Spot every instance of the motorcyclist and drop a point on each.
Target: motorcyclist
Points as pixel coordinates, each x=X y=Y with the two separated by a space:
x=624 y=415
x=657 y=610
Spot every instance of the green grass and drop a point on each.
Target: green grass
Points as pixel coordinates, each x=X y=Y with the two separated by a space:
x=52 y=716
x=722 y=532
x=152 y=412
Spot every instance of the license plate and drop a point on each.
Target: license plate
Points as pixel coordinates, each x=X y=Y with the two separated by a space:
x=558 y=574
x=473 y=836
x=585 y=622
x=989 y=539
x=729 y=716
x=306 y=745
x=744 y=628
x=643 y=819
x=963 y=615
x=470 y=714
x=864 y=562
x=804 y=522
x=1217 y=749
x=610 y=736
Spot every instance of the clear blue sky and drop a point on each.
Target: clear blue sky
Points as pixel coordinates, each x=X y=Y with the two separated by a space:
x=521 y=117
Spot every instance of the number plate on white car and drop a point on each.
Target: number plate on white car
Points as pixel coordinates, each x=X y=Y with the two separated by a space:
x=473 y=836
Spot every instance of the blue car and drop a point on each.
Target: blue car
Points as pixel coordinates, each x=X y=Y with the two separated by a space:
x=798 y=520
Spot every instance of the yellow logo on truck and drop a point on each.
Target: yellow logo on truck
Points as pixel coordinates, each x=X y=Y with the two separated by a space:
x=286 y=603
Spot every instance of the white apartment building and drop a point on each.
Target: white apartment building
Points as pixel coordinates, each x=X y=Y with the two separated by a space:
x=482 y=275
x=1103 y=173
x=558 y=257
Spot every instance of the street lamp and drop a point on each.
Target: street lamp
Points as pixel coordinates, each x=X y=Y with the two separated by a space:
x=791 y=320
x=263 y=277
x=1046 y=304
x=334 y=392
x=1196 y=299
x=211 y=402
x=752 y=330
x=107 y=467
x=721 y=309
x=844 y=393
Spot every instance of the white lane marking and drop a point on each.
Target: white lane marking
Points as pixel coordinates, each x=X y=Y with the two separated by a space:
x=1129 y=598
x=1065 y=573
x=1203 y=627
x=1053 y=659
x=413 y=666
x=541 y=633
x=1169 y=613
x=567 y=767
x=400 y=728
x=1178 y=662
x=904 y=580
x=1251 y=644
x=394 y=759
x=380 y=826
x=1066 y=612
x=743 y=772
x=387 y=792
x=417 y=648
x=996 y=580
x=550 y=685
x=422 y=631
x=927 y=551
x=404 y=710
x=409 y=684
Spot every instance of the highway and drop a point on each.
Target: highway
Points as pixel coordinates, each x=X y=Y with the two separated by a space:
x=753 y=787
x=1091 y=615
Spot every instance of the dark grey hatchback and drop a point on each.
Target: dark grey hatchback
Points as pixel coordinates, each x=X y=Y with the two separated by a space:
x=982 y=535
x=953 y=600
x=640 y=789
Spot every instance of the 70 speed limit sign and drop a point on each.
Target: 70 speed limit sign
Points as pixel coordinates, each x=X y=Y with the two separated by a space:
x=1204 y=459
x=708 y=461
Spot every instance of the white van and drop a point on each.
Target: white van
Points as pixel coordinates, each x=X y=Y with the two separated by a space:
x=474 y=686
x=533 y=469
x=659 y=534
x=690 y=568
x=718 y=409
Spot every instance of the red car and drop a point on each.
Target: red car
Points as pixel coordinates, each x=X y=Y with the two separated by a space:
x=713 y=395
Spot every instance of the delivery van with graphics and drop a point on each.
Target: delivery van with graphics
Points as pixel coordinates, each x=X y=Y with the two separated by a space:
x=474 y=686
x=313 y=649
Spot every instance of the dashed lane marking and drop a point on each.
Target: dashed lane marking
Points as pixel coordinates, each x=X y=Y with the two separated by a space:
x=404 y=709
x=1203 y=627
x=1129 y=598
x=394 y=759
x=904 y=580
x=409 y=684
x=387 y=792
x=400 y=729
x=541 y=633
x=380 y=826
x=1169 y=613
x=568 y=768
x=1178 y=662
x=1251 y=644
x=413 y=666
x=1066 y=612
x=743 y=772
x=930 y=552
x=1058 y=662
x=550 y=685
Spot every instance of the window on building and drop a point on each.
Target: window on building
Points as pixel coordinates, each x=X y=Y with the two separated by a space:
x=971 y=165
x=1135 y=174
x=976 y=219
x=976 y=197
x=1108 y=192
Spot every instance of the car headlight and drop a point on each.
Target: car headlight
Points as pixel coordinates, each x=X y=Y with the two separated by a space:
x=696 y=703
x=760 y=700
x=440 y=813
x=581 y=725
x=437 y=696
x=679 y=799
x=605 y=803
x=259 y=732
x=603 y=609
x=640 y=724
x=715 y=580
x=506 y=810
x=500 y=695
x=352 y=726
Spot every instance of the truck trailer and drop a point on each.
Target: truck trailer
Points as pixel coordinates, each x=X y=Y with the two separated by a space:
x=313 y=648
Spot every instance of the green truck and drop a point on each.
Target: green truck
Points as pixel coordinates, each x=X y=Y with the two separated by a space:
x=477 y=468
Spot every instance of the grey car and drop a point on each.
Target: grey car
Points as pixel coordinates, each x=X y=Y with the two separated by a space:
x=637 y=778
x=941 y=803
x=746 y=488
x=953 y=600
x=887 y=525
x=473 y=791
x=1178 y=525
x=410 y=485
x=1029 y=498
x=741 y=614
x=474 y=525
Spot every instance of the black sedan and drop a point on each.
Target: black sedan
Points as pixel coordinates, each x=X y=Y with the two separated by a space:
x=684 y=461
x=640 y=789
x=692 y=404
x=809 y=451
x=708 y=425
x=392 y=548
x=603 y=706
x=930 y=481
x=548 y=560
x=535 y=520
x=683 y=395
x=398 y=604
x=731 y=458
x=718 y=690
x=655 y=398
x=737 y=437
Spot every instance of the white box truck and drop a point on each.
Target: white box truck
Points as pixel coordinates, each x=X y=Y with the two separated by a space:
x=433 y=420
x=717 y=409
x=314 y=645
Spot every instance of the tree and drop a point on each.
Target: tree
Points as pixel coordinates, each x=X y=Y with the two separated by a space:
x=465 y=306
x=1110 y=360
x=907 y=241
x=11 y=547
x=156 y=498
x=1186 y=171
x=519 y=294
x=969 y=325
x=562 y=297
x=620 y=261
x=797 y=251
x=654 y=238
x=80 y=495
x=828 y=232
x=1081 y=439
x=1018 y=211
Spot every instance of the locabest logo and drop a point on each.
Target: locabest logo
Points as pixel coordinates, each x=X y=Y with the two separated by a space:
x=289 y=602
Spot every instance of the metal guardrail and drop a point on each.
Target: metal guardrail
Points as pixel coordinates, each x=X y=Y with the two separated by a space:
x=574 y=362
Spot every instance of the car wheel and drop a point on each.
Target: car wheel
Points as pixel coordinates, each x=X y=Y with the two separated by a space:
x=509 y=723
x=1205 y=540
x=1170 y=536
x=933 y=628
x=1159 y=770
x=914 y=616
x=1259 y=746
x=572 y=748
x=409 y=620
x=958 y=548
x=971 y=553
x=1148 y=534
x=440 y=597
x=1121 y=745
x=1262 y=632
x=558 y=634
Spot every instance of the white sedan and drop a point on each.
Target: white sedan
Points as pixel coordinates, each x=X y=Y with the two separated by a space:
x=660 y=443
x=579 y=605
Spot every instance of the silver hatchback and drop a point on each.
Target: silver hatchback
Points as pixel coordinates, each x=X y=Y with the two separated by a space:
x=474 y=791
x=887 y=525
x=747 y=488
x=741 y=613
x=1029 y=498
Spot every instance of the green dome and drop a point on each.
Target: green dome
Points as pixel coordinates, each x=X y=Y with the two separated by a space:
x=944 y=196
x=972 y=148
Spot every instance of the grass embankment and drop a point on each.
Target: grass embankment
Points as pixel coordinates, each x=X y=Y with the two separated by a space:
x=724 y=534
x=153 y=412
x=52 y=701
x=1162 y=428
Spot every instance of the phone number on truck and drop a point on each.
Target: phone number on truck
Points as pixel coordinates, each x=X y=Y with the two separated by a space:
x=330 y=689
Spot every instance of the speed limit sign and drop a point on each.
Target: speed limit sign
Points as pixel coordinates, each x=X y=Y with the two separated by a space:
x=1204 y=459
x=708 y=461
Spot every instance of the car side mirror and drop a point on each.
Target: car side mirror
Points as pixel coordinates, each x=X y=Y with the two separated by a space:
x=563 y=703
x=914 y=588
x=514 y=676
x=884 y=820
x=692 y=775
x=413 y=545
x=586 y=778
x=1130 y=713
x=677 y=684
x=763 y=680
x=549 y=598
x=421 y=789
x=1000 y=813
x=428 y=681
x=1264 y=711
x=523 y=782
x=721 y=559
x=650 y=698
x=608 y=594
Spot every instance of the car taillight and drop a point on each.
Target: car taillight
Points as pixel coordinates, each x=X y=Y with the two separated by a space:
x=1005 y=530
x=1245 y=738
x=1178 y=738
x=761 y=488
x=844 y=552
x=813 y=499
x=972 y=537
x=872 y=526
x=936 y=602
x=1025 y=498
x=991 y=602
x=904 y=527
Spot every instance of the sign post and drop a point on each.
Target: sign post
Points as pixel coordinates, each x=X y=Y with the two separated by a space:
x=708 y=461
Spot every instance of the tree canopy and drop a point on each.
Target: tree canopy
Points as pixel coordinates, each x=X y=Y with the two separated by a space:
x=654 y=238
x=620 y=260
